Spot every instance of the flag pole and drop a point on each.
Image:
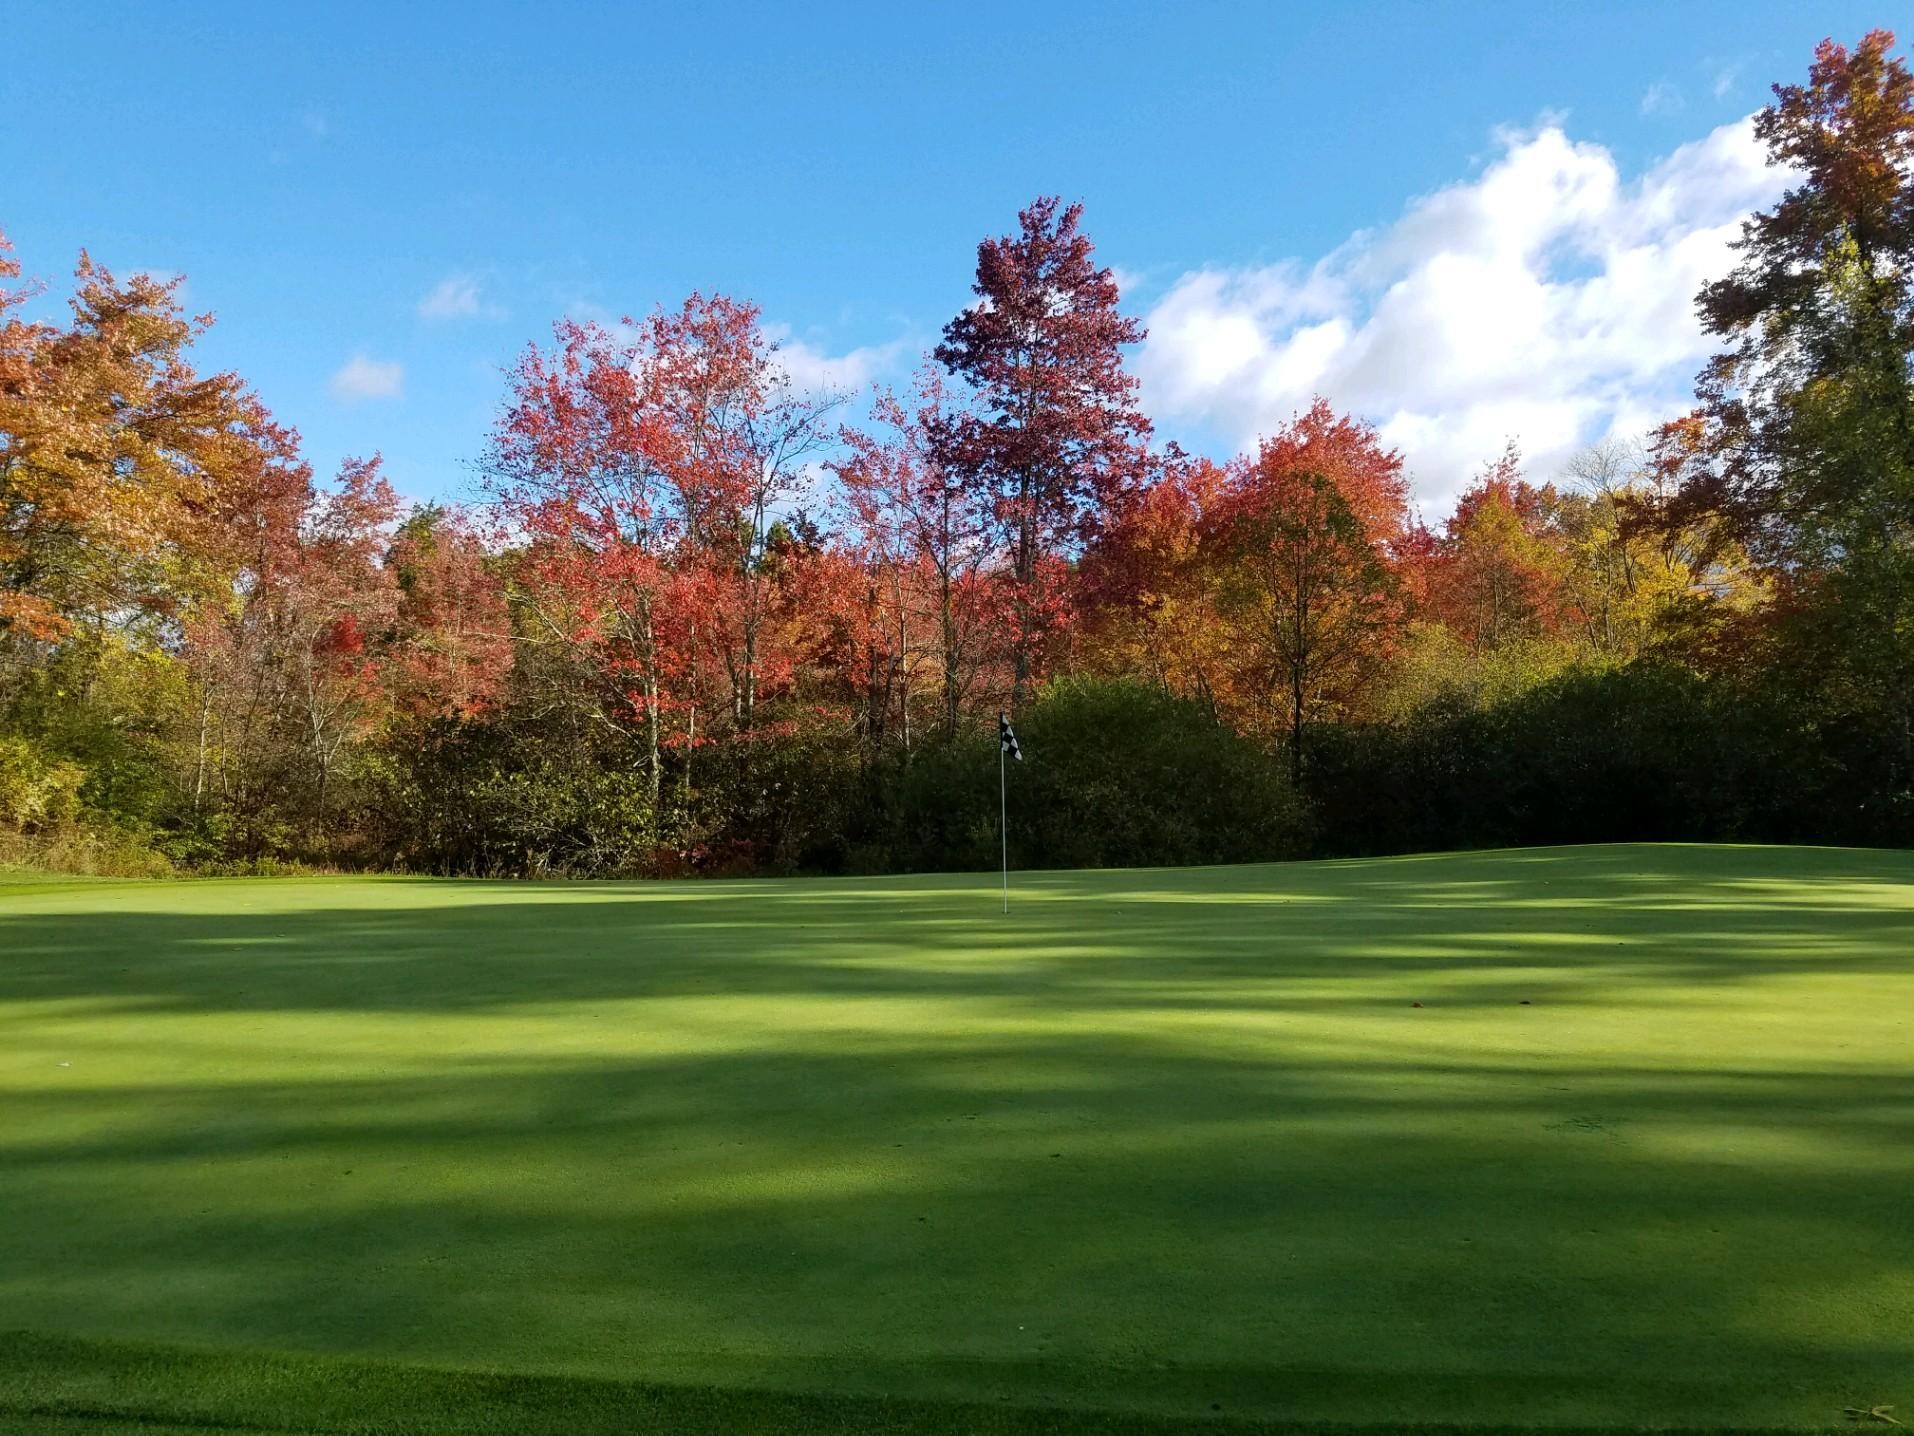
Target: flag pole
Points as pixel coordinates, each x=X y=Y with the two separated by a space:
x=1003 y=825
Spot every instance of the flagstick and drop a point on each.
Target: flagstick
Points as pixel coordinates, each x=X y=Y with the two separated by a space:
x=1003 y=825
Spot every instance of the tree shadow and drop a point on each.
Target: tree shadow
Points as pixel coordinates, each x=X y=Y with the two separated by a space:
x=1648 y=915
x=1163 y=1143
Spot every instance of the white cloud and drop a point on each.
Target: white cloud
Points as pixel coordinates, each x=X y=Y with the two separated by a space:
x=812 y=371
x=1547 y=300
x=454 y=297
x=1128 y=281
x=1661 y=98
x=1724 y=80
x=362 y=378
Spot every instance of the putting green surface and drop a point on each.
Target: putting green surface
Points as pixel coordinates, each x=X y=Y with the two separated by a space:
x=1571 y=1136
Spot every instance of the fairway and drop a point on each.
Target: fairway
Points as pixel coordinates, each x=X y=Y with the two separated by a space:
x=1615 y=1135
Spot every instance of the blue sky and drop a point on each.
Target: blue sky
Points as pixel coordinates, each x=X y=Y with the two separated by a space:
x=1442 y=215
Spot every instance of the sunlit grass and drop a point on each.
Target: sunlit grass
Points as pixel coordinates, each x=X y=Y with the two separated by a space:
x=1160 y=1141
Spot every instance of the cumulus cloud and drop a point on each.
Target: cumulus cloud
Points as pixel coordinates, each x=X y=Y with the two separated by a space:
x=361 y=378
x=1547 y=300
x=812 y=371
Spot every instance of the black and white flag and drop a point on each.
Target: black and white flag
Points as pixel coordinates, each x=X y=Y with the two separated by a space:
x=1007 y=740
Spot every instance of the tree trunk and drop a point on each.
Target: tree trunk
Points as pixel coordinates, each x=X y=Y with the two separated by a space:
x=199 y=765
x=903 y=679
x=1296 y=725
x=1298 y=674
x=1025 y=570
x=949 y=622
x=652 y=754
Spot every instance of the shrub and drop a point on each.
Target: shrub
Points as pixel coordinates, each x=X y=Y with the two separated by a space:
x=1116 y=774
x=37 y=792
x=1644 y=753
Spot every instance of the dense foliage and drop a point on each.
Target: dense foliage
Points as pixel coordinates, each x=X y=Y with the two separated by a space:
x=702 y=622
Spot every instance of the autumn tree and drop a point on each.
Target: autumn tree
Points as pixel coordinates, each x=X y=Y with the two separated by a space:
x=578 y=466
x=340 y=605
x=1054 y=434
x=647 y=475
x=922 y=535
x=451 y=640
x=739 y=444
x=1631 y=584
x=1496 y=573
x=1303 y=536
x=112 y=448
x=1146 y=586
x=882 y=642
x=294 y=665
x=123 y=475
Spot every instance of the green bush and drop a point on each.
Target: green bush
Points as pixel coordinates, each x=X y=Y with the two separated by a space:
x=88 y=846
x=1645 y=753
x=37 y=791
x=483 y=799
x=1115 y=774
x=778 y=800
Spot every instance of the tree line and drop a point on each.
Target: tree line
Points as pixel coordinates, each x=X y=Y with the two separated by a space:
x=701 y=621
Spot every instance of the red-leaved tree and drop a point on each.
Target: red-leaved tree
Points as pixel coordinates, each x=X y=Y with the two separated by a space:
x=921 y=539
x=1052 y=436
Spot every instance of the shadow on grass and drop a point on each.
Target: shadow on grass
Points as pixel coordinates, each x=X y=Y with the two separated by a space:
x=1150 y=1144
x=62 y=1387
x=1607 y=918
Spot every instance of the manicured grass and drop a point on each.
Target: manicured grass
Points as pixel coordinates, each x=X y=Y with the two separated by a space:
x=819 y=1156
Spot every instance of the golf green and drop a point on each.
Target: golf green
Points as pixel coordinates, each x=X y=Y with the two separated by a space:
x=1614 y=1135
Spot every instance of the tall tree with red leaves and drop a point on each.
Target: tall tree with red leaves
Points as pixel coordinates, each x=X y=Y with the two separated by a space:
x=1054 y=435
x=577 y=464
x=737 y=441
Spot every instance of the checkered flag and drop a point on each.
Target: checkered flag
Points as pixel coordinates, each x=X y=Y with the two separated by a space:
x=1006 y=739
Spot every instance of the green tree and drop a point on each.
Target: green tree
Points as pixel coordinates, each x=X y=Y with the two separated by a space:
x=1804 y=439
